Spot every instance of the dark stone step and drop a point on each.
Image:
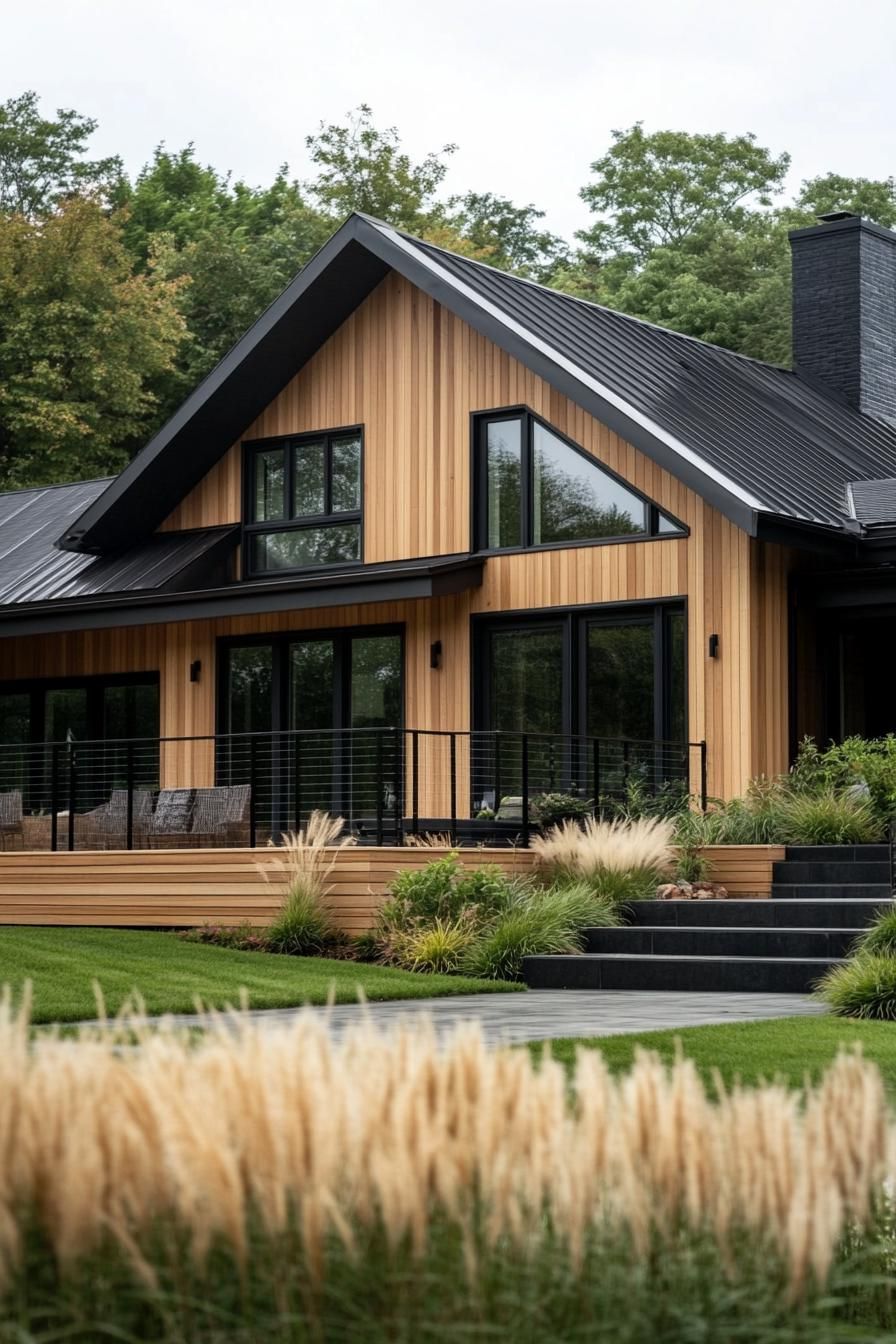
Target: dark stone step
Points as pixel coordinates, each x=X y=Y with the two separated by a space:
x=671 y=940
x=837 y=914
x=839 y=853
x=830 y=891
x=750 y=975
x=789 y=870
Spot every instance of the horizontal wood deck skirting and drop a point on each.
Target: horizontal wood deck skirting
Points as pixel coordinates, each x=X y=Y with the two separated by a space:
x=224 y=886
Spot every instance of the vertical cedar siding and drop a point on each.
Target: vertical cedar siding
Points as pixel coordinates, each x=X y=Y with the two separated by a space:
x=412 y=373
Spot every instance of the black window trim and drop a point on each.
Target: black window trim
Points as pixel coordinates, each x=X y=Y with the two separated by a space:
x=94 y=684
x=574 y=619
x=479 y=492
x=250 y=528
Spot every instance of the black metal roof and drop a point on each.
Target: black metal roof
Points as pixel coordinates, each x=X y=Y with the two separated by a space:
x=758 y=441
x=33 y=569
x=873 y=502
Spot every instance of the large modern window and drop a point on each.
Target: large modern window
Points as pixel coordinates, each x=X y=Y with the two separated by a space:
x=45 y=724
x=303 y=502
x=600 y=693
x=536 y=488
x=325 y=707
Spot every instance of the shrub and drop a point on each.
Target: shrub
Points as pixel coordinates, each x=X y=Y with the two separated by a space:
x=435 y=947
x=622 y=860
x=854 y=763
x=863 y=987
x=879 y=939
x=244 y=937
x=304 y=861
x=426 y=893
x=692 y=865
x=828 y=818
x=523 y=931
x=490 y=889
x=548 y=809
x=580 y=903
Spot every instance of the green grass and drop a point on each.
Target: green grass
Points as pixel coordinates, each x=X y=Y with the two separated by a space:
x=170 y=974
x=789 y=1048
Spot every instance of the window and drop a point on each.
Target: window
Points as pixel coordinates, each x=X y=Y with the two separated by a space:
x=303 y=502
x=535 y=488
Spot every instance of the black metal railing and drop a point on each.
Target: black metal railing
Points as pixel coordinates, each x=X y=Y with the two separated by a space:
x=388 y=783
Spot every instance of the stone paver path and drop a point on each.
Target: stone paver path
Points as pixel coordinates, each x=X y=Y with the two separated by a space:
x=510 y=1019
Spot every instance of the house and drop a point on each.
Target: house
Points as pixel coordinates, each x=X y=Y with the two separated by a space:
x=432 y=537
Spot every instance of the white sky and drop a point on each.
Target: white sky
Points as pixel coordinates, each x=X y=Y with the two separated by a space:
x=529 y=89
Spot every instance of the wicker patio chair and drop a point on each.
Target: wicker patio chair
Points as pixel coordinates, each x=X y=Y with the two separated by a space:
x=12 y=832
x=106 y=827
x=169 y=825
x=220 y=816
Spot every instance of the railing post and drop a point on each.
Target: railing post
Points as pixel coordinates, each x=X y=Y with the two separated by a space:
x=54 y=797
x=453 y=774
x=129 y=778
x=497 y=771
x=595 y=749
x=396 y=787
x=253 y=806
x=380 y=785
x=297 y=787
x=525 y=765
x=703 y=777
x=72 y=789
x=415 y=781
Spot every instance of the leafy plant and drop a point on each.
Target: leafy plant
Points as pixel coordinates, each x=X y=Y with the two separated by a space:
x=524 y=930
x=436 y=947
x=828 y=818
x=426 y=893
x=855 y=763
x=879 y=939
x=864 y=987
x=547 y=809
x=692 y=864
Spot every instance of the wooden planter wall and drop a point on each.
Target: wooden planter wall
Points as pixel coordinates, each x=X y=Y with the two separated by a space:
x=158 y=888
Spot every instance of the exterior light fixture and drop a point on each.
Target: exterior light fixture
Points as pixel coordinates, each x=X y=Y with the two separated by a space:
x=435 y=654
x=713 y=646
x=196 y=669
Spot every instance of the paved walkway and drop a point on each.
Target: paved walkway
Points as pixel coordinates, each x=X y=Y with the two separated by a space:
x=510 y=1019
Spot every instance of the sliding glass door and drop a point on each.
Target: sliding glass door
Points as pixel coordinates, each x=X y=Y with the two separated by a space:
x=600 y=695
x=326 y=707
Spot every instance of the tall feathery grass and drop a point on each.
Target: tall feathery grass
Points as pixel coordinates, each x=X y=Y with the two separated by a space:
x=379 y=1182
x=622 y=860
x=300 y=865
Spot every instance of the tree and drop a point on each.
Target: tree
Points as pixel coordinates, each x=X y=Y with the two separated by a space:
x=42 y=161
x=665 y=188
x=365 y=169
x=81 y=341
x=507 y=235
x=875 y=200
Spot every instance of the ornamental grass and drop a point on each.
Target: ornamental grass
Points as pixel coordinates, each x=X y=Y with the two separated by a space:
x=279 y=1179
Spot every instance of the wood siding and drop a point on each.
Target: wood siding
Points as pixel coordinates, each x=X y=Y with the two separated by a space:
x=152 y=888
x=412 y=374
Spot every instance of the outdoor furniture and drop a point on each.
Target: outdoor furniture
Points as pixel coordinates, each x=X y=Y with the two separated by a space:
x=106 y=827
x=11 y=830
x=221 y=816
x=169 y=826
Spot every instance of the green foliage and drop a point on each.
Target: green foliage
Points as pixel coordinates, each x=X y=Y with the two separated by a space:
x=547 y=809
x=879 y=939
x=302 y=926
x=82 y=340
x=692 y=865
x=245 y=937
x=863 y=987
x=508 y=235
x=640 y=799
x=436 y=948
x=426 y=893
x=580 y=902
x=618 y=887
x=827 y=818
x=489 y=888
x=856 y=761
x=42 y=160
x=537 y=927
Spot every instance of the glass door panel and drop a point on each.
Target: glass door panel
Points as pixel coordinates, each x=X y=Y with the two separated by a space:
x=375 y=706
x=620 y=704
x=131 y=712
x=248 y=708
x=312 y=771
x=15 y=734
x=526 y=695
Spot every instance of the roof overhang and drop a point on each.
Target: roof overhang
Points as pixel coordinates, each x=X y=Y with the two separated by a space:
x=392 y=582
x=288 y=333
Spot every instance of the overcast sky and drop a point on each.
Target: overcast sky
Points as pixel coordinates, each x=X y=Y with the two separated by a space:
x=528 y=89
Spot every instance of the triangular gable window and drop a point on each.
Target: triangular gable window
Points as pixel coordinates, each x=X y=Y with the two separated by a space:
x=536 y=488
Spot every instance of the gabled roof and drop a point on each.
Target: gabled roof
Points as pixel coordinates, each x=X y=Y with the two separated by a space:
x=757 y=441
x=33 y=569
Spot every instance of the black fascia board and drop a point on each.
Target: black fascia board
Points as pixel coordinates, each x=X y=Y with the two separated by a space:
x=236 y=391
x=805 y=536
x=393 y=581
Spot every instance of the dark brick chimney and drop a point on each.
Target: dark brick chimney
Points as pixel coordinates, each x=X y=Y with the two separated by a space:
x=844 y=310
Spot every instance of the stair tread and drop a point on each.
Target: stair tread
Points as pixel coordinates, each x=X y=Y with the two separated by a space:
x=668 y=956
x=725 y=928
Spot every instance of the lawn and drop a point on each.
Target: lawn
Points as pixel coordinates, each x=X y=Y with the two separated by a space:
x=170 y=974
x=789 y=1048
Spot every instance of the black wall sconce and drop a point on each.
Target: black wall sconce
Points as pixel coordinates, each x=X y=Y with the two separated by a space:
x=435 y=654
x=196 y=669
x=713 y=646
